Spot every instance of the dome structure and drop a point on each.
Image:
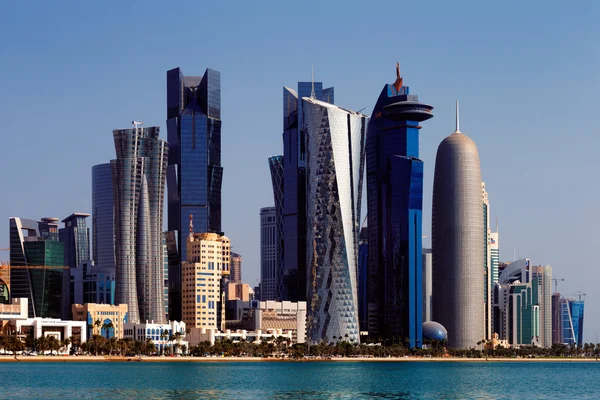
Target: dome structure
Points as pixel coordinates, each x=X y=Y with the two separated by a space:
x=434 y=331
x=458 y=241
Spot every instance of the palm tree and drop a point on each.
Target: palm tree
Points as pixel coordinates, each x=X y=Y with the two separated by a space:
x=98 y=324
x=42 y=344
x=107 y=326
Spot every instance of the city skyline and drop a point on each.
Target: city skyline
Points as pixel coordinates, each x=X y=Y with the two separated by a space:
x=485 y=73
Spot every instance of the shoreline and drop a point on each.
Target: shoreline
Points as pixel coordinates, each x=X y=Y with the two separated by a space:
x=153 y=359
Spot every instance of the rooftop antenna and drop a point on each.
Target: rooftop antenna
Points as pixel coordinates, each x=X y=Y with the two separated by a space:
x=312 y=89
x=457 y=119
x=137 y=124
x=191 y=227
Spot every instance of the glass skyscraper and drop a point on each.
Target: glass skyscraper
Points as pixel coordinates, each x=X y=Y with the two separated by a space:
x=572 y=321
x=103 y=227
x=395 y=203
x=34 y=250
x=76 y=239
x=276 y=168
x=194 y=173
x=294 y=188
x=334 y=145
x=138 y=181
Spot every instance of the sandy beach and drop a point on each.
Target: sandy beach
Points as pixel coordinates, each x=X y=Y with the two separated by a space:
x=61 y=358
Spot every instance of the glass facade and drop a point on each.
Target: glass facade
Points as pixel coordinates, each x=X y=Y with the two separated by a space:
x=335 y=148
x=103 y=228
x=572 y=321
x=268 y=253
x=35 y=245
x=76 y=239
x=395 y=203
x=138 y=181
x=194 y=174
x=276 y=168
x=294 y=187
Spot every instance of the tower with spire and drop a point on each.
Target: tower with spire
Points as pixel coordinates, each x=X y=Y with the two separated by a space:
x=395 y=202
x=457 y=243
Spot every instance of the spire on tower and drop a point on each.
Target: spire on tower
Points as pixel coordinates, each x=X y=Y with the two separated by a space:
x=191 y=227
x=312 y=80
x=457 y=119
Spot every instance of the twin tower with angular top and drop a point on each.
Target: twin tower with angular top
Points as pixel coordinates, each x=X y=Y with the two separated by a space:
x=317 y=186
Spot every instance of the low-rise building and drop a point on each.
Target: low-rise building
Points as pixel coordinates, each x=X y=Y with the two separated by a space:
x=162 y=335
x=15 y=310
x=268 y=315
x=239 y=291
x=198 y=335
x=61 y=330
x=102 y=319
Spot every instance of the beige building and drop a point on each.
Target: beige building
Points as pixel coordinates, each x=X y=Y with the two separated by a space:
x=105 y=313
x=208 y=261
x=239 y=291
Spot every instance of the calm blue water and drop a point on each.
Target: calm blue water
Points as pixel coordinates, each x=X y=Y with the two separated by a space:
x=325 y=380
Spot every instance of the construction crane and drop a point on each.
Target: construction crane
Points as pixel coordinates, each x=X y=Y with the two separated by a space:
x=555 y=280
x=579 y=294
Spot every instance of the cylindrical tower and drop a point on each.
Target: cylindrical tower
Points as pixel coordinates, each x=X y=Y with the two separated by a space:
x=457 y=229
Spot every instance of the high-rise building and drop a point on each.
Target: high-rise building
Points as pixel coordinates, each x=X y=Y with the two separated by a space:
x=236 y=268
x=194 y=172
x=208 y=259
x=542 y=274
x=556 y=318
x=76 y=239
x=457 y=245
x=487 y=266
x=34 y=252
x=276 y=168
x=335 y=150
x=165 y=255
x=268 y=253
x=363 y=270
x=427 y=284
x=395 y=205
x=571 y=311
x=103 y=226
x=4 y=283
x=294 y=187
x=495 y=255
x=139 y=173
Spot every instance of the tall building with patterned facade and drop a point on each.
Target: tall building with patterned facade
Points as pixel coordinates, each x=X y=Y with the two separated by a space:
x=208 y=260
x=103 y=227
x=542 y=275
x=268 y=253
x=139 y=173
x=335 y=150
x=395 y=206
x=457 y=243
x=487 y=265
x=194 y=173
x=294 y=187
x=76 y=238
x=571 y=319
x=276 y=168
x=37 y=262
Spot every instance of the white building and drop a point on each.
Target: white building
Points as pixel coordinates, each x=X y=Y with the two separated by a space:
x=160 y=334
x=211 y=335
x=16 y=310
x=61 y=330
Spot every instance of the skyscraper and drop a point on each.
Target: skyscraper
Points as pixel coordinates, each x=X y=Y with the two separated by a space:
x=138 y=183
x=194 y=172
x=34 y=250
x=395 y=204
x=103 y=227
x=542 y=274
x=235 y=275
x=571 y=311
x=457 y=244
x=294 y=187
x=268 y=253
x=487 y=265
x=335 y=149
x=76 y=239
x=427 y=284
x=276 y=168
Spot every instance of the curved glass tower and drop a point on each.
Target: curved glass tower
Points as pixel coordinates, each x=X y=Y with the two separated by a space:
x=139 y=174
x=395 y=204
x=457 y=245
x=335 y=151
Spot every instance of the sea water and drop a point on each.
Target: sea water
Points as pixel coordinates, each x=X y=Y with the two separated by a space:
x=300 y=380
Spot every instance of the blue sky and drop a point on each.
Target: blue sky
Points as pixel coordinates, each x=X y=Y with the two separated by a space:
x=526 y=75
